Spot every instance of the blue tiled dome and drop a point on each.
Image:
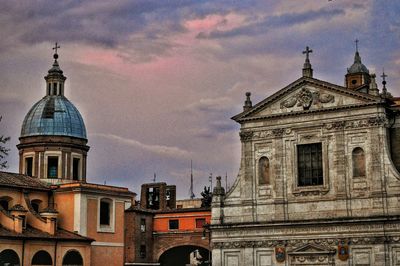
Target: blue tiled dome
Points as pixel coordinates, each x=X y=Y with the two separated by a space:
x=54 y=115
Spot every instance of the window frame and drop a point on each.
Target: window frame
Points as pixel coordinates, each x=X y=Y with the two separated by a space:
x=200 y=219
x=48 y=154
x=24 y=166
x=310 y=138
x=80 y=166
x=173 y=220
x=315 y=155
x=104 y=228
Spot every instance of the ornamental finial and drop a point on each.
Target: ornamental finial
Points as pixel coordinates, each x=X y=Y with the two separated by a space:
x=56 y=46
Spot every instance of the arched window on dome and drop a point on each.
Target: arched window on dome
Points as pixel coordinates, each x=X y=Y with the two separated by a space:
x=263 y=171
x=358 y=158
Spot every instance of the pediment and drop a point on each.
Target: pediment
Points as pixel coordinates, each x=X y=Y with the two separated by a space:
x=307 y=95
x=311 y=249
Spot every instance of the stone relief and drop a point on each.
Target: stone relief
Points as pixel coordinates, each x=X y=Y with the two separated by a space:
x=327 y=243
x=246 y=135
x=306 y=193
x=306 y=98
x=368 y=122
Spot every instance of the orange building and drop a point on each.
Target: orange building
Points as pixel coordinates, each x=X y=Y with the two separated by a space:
x=49 y=214
x=29 y=226
x=158 y=233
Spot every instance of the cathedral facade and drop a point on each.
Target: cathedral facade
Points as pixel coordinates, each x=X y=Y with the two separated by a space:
x=319 y=180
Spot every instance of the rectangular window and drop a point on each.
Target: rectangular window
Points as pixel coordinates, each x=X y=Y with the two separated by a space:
x=23 y=221
x=29 y=166
x=309 y=163
x=104 y=212
x=173 y=224
x=143 y=225
x=75 y=168
x=142 y=251
x=200 y=222
x=52 y=167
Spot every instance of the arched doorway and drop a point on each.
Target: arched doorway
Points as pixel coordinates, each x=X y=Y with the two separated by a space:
x=72 y=258
x=9 y=257
x=180 y=256
x=42 y=258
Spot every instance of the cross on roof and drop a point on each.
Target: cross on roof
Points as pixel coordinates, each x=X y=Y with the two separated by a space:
x=56 y=47
x=307 y=52
x=356 y=41
x=384 y=75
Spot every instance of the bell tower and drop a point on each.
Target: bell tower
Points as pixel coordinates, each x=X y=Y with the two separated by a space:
x=358 y=74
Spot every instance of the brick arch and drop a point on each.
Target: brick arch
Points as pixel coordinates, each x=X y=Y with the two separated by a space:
x=164 y=243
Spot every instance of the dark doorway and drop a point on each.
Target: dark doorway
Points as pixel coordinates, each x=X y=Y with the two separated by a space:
x=72 y=258
x=180 y=256
x=42 y=258
x=9 y=257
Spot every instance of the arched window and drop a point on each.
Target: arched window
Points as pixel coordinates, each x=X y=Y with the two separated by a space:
x=9 y=257
x=105 y=212
x=263 y=171
x=72 y=258
x=358 y=158
x=42 y=258
x=36 y=205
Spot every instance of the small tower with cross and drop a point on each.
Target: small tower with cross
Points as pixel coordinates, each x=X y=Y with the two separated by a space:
x=307 y=69
x=55 y=79
x=358 y=77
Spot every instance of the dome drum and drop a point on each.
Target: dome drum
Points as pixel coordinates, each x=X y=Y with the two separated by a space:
x=53 y=136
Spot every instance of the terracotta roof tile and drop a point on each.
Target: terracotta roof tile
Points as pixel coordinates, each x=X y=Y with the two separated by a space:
x=33 y=233
x=22 y=181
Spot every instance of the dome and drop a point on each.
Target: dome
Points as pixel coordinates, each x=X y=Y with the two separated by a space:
x=54 y=115
x=357 y=66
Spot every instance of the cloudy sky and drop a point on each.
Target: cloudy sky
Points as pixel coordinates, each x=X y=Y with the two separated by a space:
x=157 y=81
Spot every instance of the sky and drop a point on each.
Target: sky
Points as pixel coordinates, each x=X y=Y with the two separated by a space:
x=158 y=81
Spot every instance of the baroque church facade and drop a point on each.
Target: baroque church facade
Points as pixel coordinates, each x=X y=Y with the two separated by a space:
x=319 y=180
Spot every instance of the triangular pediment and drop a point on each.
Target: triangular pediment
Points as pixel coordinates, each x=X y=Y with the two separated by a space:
x=307 y=95
x=311 y=249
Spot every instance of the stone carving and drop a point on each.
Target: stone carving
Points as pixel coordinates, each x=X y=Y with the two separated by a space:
x=262 y=134
x=368 y=122
x=324 y=243
x=305 y=98
x=305 y=193
x=323 y=98
x=289 y=102
x=278 y=132
x=246 y=135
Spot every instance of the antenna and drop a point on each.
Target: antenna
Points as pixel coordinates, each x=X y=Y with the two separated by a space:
x=210 y=180
x=154 y=178
x=191 y=181
x=226 y=181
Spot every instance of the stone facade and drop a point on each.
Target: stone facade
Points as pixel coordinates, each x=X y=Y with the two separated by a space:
x=349 y=217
